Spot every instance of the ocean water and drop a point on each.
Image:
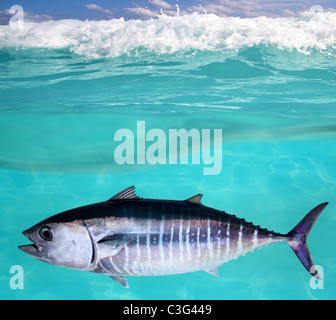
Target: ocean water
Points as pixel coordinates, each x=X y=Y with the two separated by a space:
x=68 y=86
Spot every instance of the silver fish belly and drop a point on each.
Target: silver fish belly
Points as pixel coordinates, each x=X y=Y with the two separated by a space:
x=179 y=239
x=131 y=236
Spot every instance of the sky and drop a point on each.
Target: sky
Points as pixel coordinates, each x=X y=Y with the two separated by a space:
x=42 y=10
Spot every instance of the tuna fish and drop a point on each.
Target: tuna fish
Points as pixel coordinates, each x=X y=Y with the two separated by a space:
x=131 y=236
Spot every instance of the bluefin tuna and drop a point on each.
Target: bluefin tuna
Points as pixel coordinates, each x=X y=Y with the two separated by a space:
x=132 y=236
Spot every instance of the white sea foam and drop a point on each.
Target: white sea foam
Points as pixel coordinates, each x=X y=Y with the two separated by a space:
x=188 y=33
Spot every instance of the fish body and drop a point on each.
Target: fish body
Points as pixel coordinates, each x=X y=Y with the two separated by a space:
x=130 y=236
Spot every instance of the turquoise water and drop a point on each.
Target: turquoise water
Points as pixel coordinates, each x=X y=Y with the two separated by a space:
x=66 y=87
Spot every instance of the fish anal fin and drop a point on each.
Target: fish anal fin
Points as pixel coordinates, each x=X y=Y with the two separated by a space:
x=213 y=271
x=126 y=194
x=121 y=280
x=195 y=199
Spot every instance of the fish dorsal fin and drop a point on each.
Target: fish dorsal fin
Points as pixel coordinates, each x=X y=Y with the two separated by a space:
x=195 y=199
x=121 y=280
x=126 y=194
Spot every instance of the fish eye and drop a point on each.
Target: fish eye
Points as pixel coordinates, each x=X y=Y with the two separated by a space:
x=45 y=233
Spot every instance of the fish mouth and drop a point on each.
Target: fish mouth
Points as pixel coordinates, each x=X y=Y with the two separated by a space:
x=35 y=249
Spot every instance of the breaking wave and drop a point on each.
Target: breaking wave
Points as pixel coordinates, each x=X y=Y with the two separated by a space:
x=187 y=34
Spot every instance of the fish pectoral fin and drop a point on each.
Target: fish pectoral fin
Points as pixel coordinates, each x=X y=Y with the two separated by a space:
x=121 y=280
x=126 y=194
x=195 y=199
x=109 y=247
x=213 y=271
x=116 y=240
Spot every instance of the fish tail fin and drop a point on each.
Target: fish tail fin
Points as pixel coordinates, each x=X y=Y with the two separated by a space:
x=298 y=235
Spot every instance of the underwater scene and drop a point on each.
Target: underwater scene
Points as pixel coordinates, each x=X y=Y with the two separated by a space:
x=90 y=108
